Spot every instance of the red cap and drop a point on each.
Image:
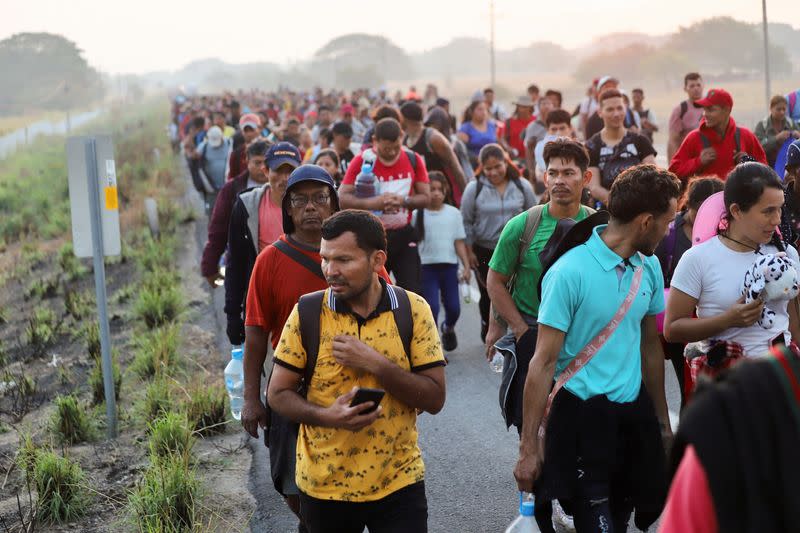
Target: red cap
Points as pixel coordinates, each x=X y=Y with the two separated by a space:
x=719 y=97
x=250 y=119
x=347 y=108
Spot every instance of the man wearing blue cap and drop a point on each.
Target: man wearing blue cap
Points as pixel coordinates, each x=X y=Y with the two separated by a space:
x=256 y=222
x=286 y=270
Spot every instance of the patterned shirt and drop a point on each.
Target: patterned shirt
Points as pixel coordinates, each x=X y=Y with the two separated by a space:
x=384 y=457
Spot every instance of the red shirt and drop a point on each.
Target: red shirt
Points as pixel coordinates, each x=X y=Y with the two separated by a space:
x=689 y=508
x=270 y=221
x=398 y=178
x=516 y=127
x=686 y=161
x=277 y=283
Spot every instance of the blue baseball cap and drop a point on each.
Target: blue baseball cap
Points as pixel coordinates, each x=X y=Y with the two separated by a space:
x=303 y=174
x=793 y=154
x=283 y=153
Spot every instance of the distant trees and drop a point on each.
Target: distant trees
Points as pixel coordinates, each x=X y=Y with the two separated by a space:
x=360 y=60
x=720 y=46
x=44 y=71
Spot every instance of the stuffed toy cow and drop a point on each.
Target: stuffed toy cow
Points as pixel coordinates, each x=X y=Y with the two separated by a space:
x=772 y=278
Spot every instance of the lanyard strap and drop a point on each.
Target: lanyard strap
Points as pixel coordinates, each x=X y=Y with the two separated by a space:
x=589 y=351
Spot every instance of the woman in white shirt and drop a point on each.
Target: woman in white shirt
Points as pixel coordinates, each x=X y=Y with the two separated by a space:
x=709 y=276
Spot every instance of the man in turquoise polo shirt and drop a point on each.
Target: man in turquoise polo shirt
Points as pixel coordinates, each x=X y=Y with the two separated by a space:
x=600 y=445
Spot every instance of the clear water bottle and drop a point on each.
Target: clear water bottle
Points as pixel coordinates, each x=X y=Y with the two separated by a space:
x=497 y=361
x=466 y=294
x=366 y=182
x=525 y=522
x=234 y=382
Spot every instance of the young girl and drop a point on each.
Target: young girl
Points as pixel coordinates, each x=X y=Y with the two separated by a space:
x=440 y=248
x=329 y=160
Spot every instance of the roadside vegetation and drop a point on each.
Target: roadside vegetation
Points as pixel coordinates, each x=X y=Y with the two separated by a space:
x=52 y=396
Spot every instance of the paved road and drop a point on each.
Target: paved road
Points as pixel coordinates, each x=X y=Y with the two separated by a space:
x=468 y=453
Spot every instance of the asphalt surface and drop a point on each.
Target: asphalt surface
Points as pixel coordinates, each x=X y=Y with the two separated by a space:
x=468 y=453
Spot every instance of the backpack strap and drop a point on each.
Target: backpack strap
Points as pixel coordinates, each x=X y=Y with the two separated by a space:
x=583 y=357
x=309 y=307
x=299 y=257
x=684 y=108
x=518 y=183
x=737 y=137
x=412 y=158
x=401 y=309
x=705 y=140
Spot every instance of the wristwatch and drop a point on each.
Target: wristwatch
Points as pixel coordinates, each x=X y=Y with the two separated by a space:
x=407 y=201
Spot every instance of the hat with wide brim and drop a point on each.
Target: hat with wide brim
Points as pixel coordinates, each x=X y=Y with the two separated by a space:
x=524 y=101
x=567 y=235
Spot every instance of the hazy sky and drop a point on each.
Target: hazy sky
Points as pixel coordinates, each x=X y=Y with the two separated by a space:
x=139 y=36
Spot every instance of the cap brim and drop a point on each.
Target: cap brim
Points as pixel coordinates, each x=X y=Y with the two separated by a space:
x=704 y=102
x=250 y=125
x=276 y=163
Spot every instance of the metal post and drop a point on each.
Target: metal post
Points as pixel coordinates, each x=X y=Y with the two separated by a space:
x=100 y=287
x=767 y=87
x=491 y=42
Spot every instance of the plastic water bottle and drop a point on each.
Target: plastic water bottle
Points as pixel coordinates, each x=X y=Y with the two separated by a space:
x=366 y=182
x=497 y=361
x=465 y=292
x=234 y=382
x=525 y=522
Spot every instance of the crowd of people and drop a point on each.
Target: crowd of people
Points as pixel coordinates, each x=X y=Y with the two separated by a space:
x=590 y=272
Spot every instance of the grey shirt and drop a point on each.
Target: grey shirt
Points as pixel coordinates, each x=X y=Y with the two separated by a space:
x=486 y=216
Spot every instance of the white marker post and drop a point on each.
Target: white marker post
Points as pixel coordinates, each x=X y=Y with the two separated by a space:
x=95 y=233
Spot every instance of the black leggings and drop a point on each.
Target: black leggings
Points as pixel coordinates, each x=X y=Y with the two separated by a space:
x=484 y=255
x=403 y=258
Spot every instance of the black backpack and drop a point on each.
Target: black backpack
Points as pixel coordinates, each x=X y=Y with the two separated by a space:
x=309 y=308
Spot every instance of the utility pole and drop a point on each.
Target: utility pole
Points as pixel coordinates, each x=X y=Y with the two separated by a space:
x=491 y=42
x=767 y=87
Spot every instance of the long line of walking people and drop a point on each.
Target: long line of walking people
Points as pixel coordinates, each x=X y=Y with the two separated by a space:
x=572 y=245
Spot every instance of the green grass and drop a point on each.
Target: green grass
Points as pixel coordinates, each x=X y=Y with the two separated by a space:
x=164 y=500
x=159 y=304
x=27 y=453
x=157 y=400
x=61 y=488
x=70 y=422
x=157 y=352
x=41 y=330
x=206 y=409
x=71 y=267
x=44 y=287
x=34 y=196
x=170 y=435
x=79 y=304
x=96 y=384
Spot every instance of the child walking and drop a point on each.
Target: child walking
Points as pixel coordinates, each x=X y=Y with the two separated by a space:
x=440 y=229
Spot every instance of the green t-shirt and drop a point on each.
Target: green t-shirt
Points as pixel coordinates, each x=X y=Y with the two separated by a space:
x=504 y=258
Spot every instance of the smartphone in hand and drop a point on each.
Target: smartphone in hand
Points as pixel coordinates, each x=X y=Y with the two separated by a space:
x=364 y=394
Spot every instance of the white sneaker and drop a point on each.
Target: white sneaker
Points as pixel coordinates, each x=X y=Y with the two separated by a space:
x=561 y=520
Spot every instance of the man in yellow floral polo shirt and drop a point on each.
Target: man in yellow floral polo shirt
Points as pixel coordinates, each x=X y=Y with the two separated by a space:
x=357 y=469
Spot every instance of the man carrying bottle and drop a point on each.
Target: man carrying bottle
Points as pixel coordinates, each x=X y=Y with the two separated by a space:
x=599 y=443
x=404 y=186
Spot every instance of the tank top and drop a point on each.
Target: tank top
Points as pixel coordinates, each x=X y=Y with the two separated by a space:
x=422 y=147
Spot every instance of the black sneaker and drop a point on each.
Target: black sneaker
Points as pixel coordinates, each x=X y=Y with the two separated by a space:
x=449 y=339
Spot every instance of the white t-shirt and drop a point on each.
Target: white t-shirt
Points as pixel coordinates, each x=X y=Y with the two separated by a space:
x=442 y=229
x=713 y=274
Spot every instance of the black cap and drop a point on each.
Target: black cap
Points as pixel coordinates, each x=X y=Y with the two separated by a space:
x=567 y=235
